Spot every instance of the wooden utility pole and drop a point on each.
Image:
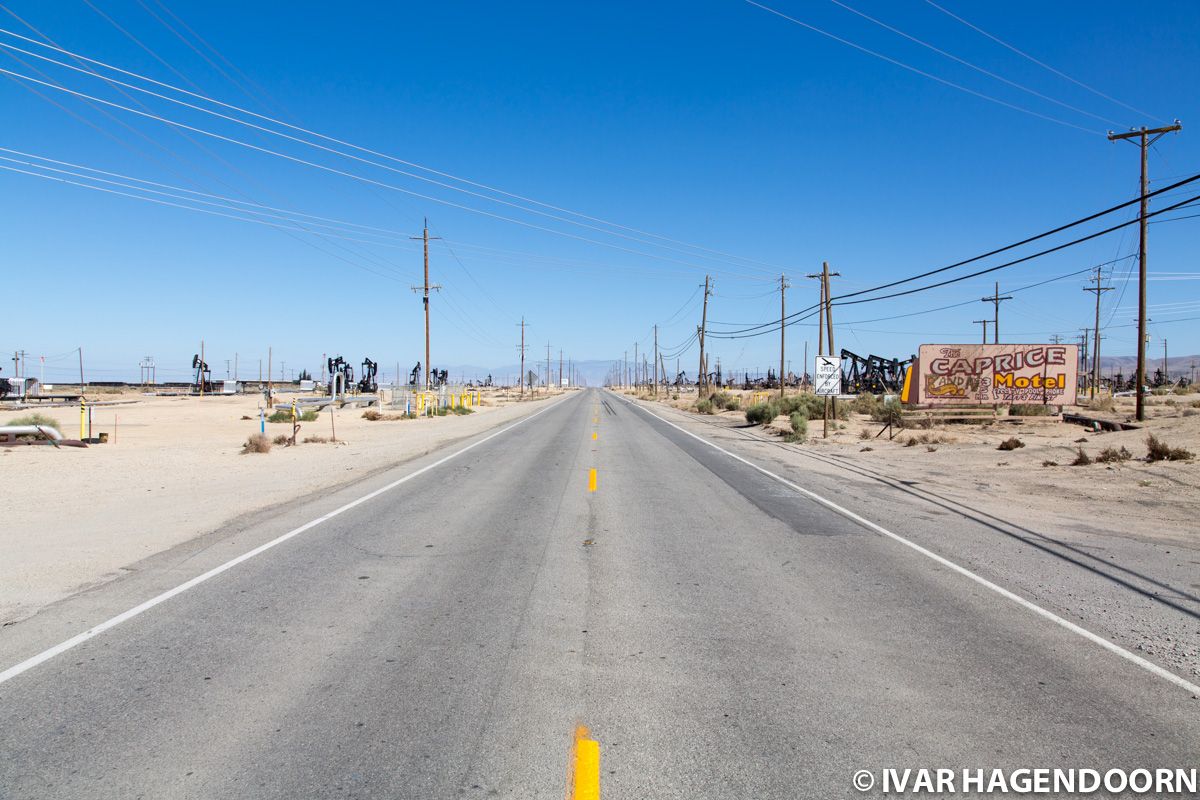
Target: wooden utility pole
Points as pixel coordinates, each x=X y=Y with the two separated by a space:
x=1098 y=290
x=984 y=323
x=830 y=402
x=656 y=361
x=1145 y=137
x=560 y=367
x=1166 y=374
x=521 y=378
x=701 y=377
x=996 y=300
x=783 y=287
x=436 y=287
x=635 y=366
x=547 y=368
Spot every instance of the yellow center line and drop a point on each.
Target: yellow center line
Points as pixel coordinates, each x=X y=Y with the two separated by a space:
x=584 y=777
x=595 y=436
x=592 y=479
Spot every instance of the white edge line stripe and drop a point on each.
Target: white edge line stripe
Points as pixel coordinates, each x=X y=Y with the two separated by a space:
x=1149 y=666
x=62 y=647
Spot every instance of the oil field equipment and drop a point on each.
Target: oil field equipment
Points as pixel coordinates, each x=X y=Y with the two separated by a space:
x=367 y=384
x=416 y=373
x=203 y=378
x=873 y=374
x=341 y=375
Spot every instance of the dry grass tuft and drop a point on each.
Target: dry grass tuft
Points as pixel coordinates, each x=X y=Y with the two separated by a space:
x=257 y=443
x=1159 y=450
x=1110 y=455
x=1011 y=443
x=1082 y=459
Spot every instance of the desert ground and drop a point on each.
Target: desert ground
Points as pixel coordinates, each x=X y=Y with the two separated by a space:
x=1128 y=497
x=174 y=468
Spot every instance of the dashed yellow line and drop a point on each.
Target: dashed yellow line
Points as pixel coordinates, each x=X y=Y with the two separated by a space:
x=595 y=436
x=592 y=479
x=584 y=778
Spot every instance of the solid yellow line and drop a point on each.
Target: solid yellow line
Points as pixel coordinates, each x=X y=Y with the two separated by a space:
x=592 y=480
x=585 y=766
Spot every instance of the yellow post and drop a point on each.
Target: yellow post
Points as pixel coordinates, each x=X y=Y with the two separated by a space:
x=82 y=418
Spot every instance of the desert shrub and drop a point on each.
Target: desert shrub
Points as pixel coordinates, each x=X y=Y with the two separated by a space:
x=440 y=411
x=1111 y=454
x=889 y=413
x=1170 y=401
x=1181 y=390
x=285 y=415
x=1158 y=450
x=719 y=399
x=1011 y=443
x=35 y=418
x=1190 y=412
x=864 y=434
x=865 y=404
x=372 y=414
x=734 y=403
x=704 y=406
x=910 y=441
x=762 y=413
x=246 y=417
x=257 y=443
x=1049 y=463
x=315 y=440
x=866 y=449
x=1082 y=459
x=281 y=439
x=799 y=427
x=1029 y=410
x=1101 y=404
x=1159 y=391
x=462 y=411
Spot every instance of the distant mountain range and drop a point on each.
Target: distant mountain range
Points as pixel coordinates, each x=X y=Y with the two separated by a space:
x=1177 y=366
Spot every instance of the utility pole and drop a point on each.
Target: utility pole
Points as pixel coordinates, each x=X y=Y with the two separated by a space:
x=1084 y=339
x=560 y=367
x=783 y=286
x=425 y=238
x=984 y=323
x=625 y=370
x=521 y=378
x=656 y=361
x=701 y=377
x=1055 y=338
x=1166 y=375
x=824 y=324
x=1098 y=290
x=1145 y=137
x=270 y=398
x=547 y=367
x=635 y=366
x=995 y=300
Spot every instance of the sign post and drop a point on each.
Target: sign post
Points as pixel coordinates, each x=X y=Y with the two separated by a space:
x=827 y=382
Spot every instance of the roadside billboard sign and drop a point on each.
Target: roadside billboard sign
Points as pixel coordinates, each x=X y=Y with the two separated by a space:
x=827 y=376
x=964 y=374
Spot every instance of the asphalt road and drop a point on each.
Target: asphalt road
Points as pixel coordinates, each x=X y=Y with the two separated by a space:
x=722 y=635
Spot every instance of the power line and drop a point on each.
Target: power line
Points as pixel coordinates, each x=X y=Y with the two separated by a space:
x=113 y=81
x=975 y=67
x=1025 y=55
x=921 y=72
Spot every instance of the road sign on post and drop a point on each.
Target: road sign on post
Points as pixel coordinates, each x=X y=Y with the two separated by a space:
x=827 y=376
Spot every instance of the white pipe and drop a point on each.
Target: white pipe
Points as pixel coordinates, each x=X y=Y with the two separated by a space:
x=25 y=430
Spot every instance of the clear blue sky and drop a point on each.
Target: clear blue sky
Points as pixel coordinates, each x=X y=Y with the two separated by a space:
x=717 y=124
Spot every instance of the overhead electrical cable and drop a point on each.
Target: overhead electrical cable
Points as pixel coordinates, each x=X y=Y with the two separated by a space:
x=1041 y=64
x=922 y=72
x=700 y=249
x=975 y=67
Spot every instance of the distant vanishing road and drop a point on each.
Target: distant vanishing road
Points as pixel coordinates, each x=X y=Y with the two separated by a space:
x=721 y=634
